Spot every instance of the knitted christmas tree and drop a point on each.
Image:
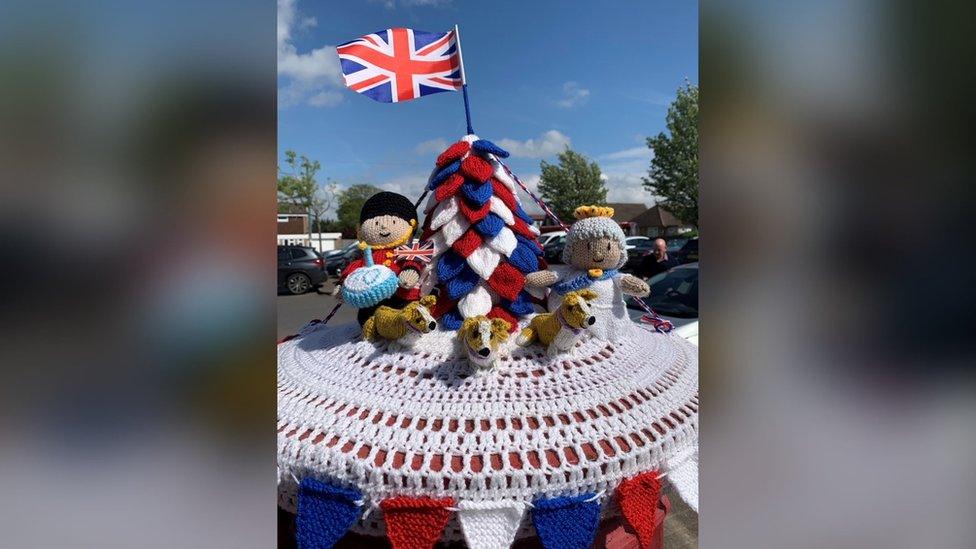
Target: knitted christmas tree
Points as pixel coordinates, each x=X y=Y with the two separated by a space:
x=484 y=242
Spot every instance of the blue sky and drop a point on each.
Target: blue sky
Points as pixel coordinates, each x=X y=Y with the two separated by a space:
x=597 y=76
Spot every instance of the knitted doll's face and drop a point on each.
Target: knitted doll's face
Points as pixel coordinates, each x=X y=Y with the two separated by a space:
x=384 y=230
x=595 y=253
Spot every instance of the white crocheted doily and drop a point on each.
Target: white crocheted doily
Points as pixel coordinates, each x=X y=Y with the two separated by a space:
x=391 y=421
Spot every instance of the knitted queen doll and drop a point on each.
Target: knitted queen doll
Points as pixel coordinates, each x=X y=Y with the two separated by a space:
x=595 y=250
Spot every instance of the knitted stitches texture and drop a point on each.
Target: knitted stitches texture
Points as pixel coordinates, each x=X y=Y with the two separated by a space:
x=424 y=422
x=594 y=227
x=490 y=525
x=566 y=522
x=638 y=503
x=369 y=285
x=325 y=513
x=484 y=242
x=415 y=523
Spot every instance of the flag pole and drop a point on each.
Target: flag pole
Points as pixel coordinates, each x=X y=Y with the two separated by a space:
x=464 y=80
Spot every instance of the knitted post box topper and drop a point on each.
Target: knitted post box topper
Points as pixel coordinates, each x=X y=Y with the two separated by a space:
x=386 y=222
x=595 y=250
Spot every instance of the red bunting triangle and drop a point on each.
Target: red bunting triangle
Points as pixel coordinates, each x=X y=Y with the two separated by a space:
x=468 y=243
x=638 y=498
x=415 y=522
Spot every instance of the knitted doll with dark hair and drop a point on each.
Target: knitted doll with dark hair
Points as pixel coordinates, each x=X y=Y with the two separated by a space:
x=386 y=222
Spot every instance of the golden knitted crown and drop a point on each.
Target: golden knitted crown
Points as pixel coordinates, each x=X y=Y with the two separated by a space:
x=592 y=211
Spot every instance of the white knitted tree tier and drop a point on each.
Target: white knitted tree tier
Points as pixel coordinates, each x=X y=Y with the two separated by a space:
x=392 y=421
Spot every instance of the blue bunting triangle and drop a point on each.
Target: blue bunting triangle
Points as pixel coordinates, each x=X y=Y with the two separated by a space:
x=566 y=522
x=325 y=513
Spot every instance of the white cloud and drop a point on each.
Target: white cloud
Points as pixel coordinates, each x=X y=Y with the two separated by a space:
x=432 y=146
x=311 y=77
x=327 y=98
x=643 y=153
x=573 y=95
x=548 y=144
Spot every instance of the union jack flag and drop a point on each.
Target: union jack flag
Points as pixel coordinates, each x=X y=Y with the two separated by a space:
x=421 y=251
x=402 y=64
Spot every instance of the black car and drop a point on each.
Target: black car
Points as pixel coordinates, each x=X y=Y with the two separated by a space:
x=335 y=263
x=689 y=252
x=674 y=295
x=553 y=250
x=300 y=269
x=641 y=248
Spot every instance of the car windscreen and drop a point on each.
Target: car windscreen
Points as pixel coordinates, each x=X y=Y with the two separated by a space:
x=673 y=293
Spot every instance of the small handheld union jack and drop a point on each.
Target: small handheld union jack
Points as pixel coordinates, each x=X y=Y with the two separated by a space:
x=420 y=251
x=399 y=64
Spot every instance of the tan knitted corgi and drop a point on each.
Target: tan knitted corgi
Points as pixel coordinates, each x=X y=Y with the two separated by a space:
x=562 y=329
x=412 y=320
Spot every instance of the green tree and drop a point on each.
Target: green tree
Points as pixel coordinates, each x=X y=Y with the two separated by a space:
x=351 y=203
x=575 y=181
x=674 y=169
x=297 y=185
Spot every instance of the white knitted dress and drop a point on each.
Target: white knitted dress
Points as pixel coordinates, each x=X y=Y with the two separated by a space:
x=613 y=322
x=422 y=422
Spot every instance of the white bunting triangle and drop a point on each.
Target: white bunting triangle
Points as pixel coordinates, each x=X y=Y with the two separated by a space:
x=490 y=524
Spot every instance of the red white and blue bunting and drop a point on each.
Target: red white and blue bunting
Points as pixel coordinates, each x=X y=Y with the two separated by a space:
x=327 y=510
x=490 y=524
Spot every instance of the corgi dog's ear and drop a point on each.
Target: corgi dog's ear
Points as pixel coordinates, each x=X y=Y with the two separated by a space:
x=428 y=301
x=499 y=328
x=466 y=327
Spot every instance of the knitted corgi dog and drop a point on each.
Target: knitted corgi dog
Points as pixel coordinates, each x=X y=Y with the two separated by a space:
x=562 y=329
x=405 y=325
x=481 y=337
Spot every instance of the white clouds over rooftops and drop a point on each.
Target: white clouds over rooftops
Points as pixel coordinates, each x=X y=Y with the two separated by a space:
x=548 y=144
x=313 y=77
x=573 y=95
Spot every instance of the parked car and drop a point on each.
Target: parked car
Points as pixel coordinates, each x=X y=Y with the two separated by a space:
x=546 y=238
x=674 y=296
x=637 y=241
x=689 y=252
x=300 y=269
x=334 y=265
x=675 y=244
x=338 y=251
x=637 y=250
x=552 y=252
